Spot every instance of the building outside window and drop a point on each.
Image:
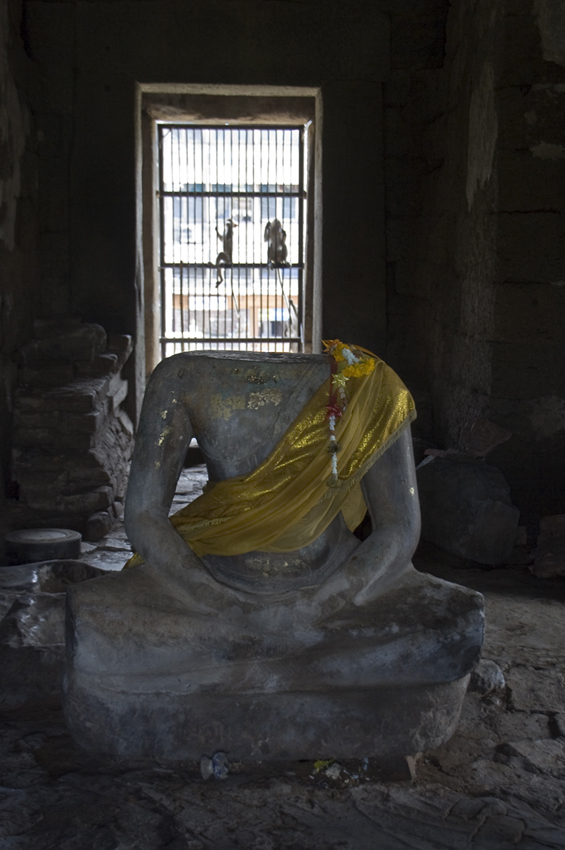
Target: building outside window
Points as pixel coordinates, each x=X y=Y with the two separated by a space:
x=232 y=220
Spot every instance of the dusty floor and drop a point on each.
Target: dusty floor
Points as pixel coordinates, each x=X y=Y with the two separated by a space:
x=499 y=782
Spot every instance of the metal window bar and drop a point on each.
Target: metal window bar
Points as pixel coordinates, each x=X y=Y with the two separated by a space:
x=231 y=222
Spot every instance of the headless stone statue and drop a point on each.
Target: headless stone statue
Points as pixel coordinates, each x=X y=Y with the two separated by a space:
x=339 y=648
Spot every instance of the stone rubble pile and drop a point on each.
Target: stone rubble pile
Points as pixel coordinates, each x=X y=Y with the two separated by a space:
x=72 y=440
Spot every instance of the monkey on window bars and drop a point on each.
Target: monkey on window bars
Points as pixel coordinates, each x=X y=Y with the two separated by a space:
x=275 y=236
x=224 y=258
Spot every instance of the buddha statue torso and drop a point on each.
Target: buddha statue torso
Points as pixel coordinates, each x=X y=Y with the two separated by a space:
x=240 y=405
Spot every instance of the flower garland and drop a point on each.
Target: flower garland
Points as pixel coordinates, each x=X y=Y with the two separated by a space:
x=358 y=365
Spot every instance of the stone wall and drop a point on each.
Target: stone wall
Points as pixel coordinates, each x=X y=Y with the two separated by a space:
x=475 y=180
x=18 y=216
x=528 y=341
x=441 y=130
x=415 y=118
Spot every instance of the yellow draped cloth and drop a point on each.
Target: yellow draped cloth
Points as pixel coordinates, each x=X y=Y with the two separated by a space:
x=286 y=503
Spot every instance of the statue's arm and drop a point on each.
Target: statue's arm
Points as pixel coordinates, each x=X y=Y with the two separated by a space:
x=392 y=498
x=162 y=439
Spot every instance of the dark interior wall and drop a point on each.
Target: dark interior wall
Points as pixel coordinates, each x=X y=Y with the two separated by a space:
x=461 y=240
x=440 y=140
x=18 y=215
x=93 y=53
x=527 y=393
x=415 y=117
x=475 y=189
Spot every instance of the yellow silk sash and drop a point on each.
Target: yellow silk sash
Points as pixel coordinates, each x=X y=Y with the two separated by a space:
x=286 y=502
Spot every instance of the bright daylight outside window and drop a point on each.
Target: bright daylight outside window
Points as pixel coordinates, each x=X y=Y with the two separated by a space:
x=232 y=233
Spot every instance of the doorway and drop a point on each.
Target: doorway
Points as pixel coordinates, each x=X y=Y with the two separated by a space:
x=230 y=218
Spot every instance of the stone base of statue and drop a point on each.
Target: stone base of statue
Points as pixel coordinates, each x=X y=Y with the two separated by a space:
x=386 y=680
x=385 y=722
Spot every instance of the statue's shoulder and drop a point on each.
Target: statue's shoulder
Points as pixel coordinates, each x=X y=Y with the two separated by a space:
x=178 y=365
x=189 y=371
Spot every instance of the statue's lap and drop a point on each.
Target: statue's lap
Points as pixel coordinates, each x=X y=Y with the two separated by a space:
x=130 y=630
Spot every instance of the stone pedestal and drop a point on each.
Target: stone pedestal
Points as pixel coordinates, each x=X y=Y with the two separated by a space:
x=148 y=679
x=384 y=722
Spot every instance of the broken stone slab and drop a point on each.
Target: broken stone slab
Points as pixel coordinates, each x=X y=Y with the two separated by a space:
x=32 y=629
x=539 y=756
x=537 y=690
x=117 y=544
x=467 y=509
x=104 y=364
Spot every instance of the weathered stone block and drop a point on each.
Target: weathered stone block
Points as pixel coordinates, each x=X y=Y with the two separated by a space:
x=121 y=345
x=36 y=438
x=82 y=477
x=48 y=482
x=486 y=677
x=98 y=526
x=88 y=423
x=537 y=690
x=40 y=498
x=80 y=397
x=37 y=462
x=84 y=343
x=90 y=502
x=49 y=374
x=104 y=364
x=467 y=510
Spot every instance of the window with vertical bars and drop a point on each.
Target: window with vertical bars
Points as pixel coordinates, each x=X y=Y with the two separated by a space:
x=232 y=231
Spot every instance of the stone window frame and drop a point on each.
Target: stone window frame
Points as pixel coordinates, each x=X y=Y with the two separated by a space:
x=211 y=104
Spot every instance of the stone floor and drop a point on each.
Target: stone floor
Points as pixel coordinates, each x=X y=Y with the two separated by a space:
x=499 y=782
